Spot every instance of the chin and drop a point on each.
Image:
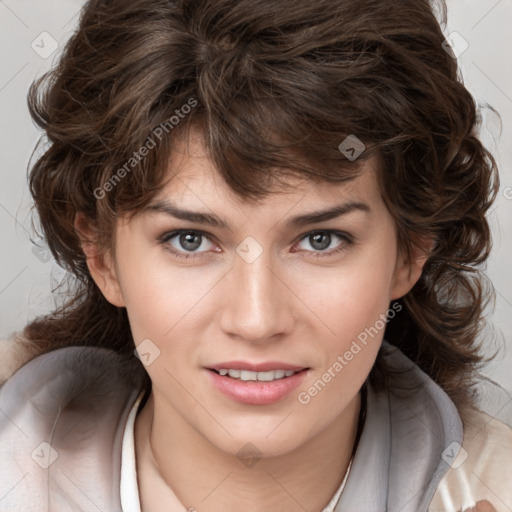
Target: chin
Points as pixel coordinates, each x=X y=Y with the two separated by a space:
x=259 y=442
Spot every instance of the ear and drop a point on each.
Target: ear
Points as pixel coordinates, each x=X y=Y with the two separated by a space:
x=100 y=263
x=408 y=270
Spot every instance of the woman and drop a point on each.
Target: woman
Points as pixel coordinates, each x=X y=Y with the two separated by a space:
x=275 y=214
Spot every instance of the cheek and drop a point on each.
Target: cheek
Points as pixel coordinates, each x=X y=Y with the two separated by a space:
x=352 y=297
x=163 y=299
x=353 y=307
x=148 y=290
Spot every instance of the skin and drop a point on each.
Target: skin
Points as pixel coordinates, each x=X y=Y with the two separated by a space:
x=287 y=305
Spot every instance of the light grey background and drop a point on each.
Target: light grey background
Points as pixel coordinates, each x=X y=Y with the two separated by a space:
x=26 y=278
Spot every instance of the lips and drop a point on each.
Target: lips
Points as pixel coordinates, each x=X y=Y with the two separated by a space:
x=256 y=391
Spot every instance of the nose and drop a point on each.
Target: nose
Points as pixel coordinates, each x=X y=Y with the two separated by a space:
x=258 y=304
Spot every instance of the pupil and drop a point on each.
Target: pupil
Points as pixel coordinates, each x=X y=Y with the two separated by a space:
x=187 y=241
x=318 y=237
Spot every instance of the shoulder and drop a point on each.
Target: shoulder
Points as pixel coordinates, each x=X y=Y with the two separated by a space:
x=69 y=372
x=63 y=414
x=74 y=380
x=482 y=471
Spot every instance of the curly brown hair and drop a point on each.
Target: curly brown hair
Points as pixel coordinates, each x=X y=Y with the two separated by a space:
x=277 y=86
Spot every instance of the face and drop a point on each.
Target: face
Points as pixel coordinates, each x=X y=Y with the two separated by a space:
x=266 y=291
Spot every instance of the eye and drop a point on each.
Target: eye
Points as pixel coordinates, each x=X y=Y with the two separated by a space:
x=321 y=240
x=186 y=241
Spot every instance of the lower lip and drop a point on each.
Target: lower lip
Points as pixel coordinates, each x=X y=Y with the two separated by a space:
x=257 y=392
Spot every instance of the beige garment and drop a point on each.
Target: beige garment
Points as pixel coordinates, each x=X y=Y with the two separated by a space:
x=482 y=471
x=14 y=351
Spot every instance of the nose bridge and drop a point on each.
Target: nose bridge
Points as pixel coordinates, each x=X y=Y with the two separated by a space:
x=257 y=308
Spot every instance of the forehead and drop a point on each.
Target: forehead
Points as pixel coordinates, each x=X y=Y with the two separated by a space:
x=193 y=177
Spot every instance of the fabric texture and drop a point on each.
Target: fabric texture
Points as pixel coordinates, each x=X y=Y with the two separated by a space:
x=130 y=500
x=483 y=470
x=65 y=414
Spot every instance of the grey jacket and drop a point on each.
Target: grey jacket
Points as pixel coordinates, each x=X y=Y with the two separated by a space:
x=62 y=418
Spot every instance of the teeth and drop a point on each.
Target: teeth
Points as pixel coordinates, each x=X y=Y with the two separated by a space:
x=246 y=375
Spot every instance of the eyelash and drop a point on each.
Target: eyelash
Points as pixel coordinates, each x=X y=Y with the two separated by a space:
x=347 y=240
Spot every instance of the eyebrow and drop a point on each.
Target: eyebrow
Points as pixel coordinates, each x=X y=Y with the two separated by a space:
x=211 y=219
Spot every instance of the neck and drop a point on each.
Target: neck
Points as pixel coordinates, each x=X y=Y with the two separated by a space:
x=186 y=470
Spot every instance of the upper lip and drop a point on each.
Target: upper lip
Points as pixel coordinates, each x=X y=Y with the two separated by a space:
x=252 y=367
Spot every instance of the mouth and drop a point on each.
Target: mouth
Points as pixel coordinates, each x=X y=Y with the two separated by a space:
x=256 y=384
